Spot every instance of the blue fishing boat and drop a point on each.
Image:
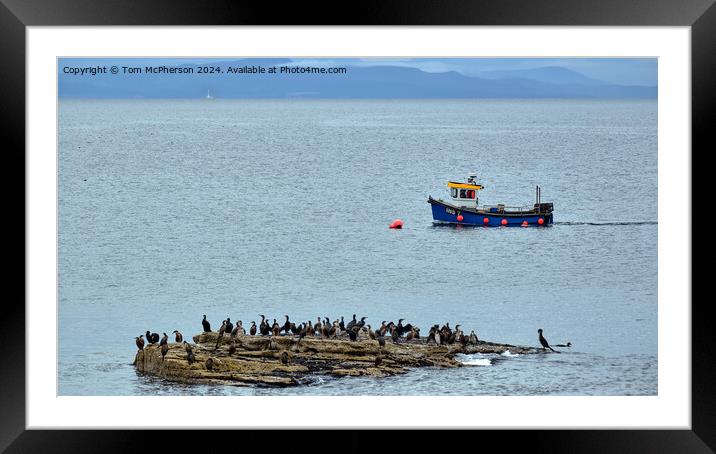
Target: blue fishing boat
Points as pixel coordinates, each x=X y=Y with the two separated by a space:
x=463 y=208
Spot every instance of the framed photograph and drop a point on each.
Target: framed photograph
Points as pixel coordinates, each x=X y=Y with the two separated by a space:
x=478 y=221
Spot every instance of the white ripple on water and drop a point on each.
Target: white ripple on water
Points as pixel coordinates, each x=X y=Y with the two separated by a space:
x=475 y=359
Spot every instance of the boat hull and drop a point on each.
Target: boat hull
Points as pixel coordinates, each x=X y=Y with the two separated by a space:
x=445 y=213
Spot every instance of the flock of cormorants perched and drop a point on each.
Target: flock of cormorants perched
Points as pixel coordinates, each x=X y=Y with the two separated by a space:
x=327 y=329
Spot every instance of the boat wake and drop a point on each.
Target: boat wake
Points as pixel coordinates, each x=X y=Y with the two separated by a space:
x=608 y=223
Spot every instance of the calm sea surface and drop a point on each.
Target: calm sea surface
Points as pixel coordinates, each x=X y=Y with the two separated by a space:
x=173 y=209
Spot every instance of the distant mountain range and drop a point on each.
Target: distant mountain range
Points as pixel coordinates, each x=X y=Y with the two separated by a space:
x=358 y=82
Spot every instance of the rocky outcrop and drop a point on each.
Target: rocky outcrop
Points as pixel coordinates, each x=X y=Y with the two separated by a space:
x=288 y=361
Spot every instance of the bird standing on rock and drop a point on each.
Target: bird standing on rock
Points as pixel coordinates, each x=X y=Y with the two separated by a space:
x=351 y=323
x=191 y=359
x=165 y=349
x=164 y=340
x=353 y=333
x=229 y=325
x=371 y=334
x=381 y=341
x=543 y=341
x=153 y=338
x=178 y=338
x=222 y=330
x=382 y=330
x=209 y=364
x=394 y=336
x=252 y=330
x=264 y=328
x=140 y=342
x=318 y=327
x=305 y=328
x=205 y=324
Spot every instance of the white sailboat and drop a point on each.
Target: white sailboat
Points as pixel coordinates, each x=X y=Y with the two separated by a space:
x=208 y=95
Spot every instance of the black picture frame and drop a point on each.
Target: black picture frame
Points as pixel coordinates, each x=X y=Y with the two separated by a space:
x=16 y=15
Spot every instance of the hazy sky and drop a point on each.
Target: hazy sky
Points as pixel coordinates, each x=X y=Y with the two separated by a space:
x=623 y=71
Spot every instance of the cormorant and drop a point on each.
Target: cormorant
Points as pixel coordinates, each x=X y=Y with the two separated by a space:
x=335 y=329
x=165 y=349
x=240 y=326
x=235 y=331
x=473 y=337
x=342 y=325
x=543 y=341
x=371 y=334
x=187 y=347
x=229 y=325
x=410 y=336
x=294 y=329
x=263 y=327
x=399 y=327
x=222 y=330
x=309 y=329
x=381 y=341
x=165 y=339
x=381 y=331
x=378 y=360
x=284 y=357
x=353 y=333
x=178 y=338
x=568 y=344
x=209 y=364
x=286 y=326
x=462 y=339
x=351 y=323
x=361 y=323
x=275 y=329
x=191 y=359
x=140 y=342
x=252 y=330
x=305 y=328
x=394 y=336
x=205 y=323
x=318 y=327
x=153 y=338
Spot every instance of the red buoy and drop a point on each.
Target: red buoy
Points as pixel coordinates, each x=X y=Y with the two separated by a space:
x=397 y=224
x=504 y=222
x=485 y=220
x=540 y=221
x=524 y=224
x=459 y=217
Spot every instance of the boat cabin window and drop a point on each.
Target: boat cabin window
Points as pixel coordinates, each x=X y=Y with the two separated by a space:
x=467 y=193
x=453 y=193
